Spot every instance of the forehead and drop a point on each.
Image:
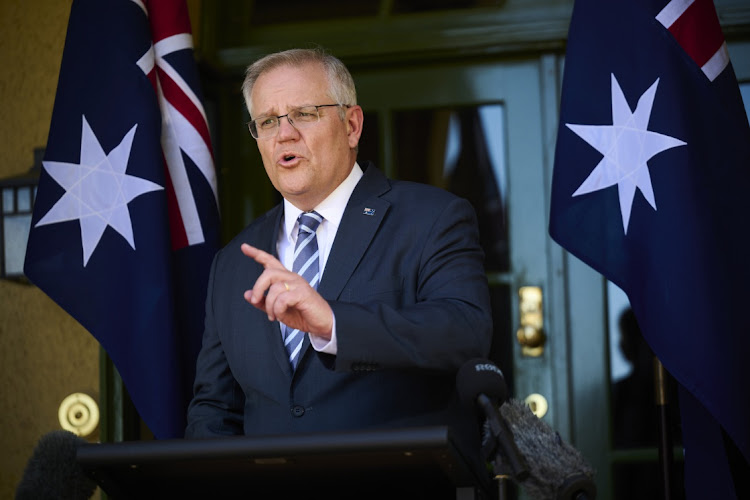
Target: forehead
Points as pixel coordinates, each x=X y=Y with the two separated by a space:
x=287 y=86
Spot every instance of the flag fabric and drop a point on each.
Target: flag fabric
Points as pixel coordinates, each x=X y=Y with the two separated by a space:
x=126 y=218
x=650 y=188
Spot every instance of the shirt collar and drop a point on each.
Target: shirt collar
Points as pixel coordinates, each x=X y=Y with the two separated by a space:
x=332 y=208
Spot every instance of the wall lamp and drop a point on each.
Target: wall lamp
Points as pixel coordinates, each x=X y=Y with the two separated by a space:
x=17 y=195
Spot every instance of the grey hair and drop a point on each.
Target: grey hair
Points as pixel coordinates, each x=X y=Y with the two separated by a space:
x=340 y=82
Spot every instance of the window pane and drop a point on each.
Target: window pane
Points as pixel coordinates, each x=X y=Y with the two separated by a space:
x=461 y=149
x=8 y=205
x=24 y=199
x=15 y=236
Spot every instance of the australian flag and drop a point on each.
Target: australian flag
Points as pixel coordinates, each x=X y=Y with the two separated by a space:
x=126 y=218
x=650 y=188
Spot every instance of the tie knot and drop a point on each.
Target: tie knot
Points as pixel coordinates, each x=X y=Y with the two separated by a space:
x=309 y=221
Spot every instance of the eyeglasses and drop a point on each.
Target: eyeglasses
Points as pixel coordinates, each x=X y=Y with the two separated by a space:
x=268 y=126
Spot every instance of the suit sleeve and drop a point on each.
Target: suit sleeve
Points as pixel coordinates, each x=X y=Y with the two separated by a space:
x=218 y=401
x=439 y=316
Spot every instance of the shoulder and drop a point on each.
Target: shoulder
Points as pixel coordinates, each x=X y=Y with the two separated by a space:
x=404 y=192
x=415 y=200
x=420 y=192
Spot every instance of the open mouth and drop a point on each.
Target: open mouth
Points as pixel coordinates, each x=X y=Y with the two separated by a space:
x=288 y=159
x=288 y=155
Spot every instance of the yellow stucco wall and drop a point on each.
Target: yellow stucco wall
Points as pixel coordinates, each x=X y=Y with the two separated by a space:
x=44 y=353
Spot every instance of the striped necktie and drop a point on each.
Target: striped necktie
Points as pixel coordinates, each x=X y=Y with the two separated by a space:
x=306 y=265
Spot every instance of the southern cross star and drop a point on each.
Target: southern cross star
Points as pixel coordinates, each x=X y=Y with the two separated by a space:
x=627 y=145
x=97 y=190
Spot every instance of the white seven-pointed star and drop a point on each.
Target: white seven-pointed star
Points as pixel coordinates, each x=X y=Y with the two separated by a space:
x=97 y=190
x=627 y=145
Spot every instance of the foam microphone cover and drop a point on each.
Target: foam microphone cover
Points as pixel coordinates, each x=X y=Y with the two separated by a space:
x=480 y=376
x=558 y=471
x=52 y=472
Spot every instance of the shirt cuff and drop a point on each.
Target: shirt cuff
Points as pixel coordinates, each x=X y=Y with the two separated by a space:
x=327 y=346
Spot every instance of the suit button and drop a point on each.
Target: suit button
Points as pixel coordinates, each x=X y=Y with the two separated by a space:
x=298 y=410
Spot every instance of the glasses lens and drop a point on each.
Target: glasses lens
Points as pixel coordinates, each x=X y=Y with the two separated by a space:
x=267 y=126
x=304 y=116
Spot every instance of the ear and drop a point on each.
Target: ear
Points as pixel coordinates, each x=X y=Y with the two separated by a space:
x=354 y=121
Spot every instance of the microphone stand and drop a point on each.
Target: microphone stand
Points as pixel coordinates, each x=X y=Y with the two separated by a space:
x=500 y=469
x=666 y=458
x=501 y=450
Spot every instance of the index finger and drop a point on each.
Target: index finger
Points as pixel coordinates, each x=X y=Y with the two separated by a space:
x=265 y=259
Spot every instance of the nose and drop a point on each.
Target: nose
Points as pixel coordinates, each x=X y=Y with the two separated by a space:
x=286 y=128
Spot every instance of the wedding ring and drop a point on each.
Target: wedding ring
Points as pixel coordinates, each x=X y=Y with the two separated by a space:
x=286 y=286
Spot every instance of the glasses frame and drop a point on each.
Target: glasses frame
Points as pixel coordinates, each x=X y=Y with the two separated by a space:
x=253 y=128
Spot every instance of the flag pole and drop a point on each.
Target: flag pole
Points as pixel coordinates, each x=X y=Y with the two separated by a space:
x=666 y=459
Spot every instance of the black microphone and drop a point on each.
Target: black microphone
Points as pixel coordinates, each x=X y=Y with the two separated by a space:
x=479 y=382
x=556 y=470
x=52 y=472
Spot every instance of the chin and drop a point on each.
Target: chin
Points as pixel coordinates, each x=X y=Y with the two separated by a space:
x=294 y=193
x=290 y=183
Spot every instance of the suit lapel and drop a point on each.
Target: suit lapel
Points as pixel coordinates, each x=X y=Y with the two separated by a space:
x=363 y=216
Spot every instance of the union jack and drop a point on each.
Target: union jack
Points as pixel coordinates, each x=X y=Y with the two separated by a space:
x=184 y=122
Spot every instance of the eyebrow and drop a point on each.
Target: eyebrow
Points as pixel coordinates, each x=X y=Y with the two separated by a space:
x=292 y=108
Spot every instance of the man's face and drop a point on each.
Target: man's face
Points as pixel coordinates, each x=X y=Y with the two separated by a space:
x=305 y=165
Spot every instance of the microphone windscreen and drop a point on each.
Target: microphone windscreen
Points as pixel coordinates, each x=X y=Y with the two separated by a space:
x=557 y=470
x=52 y=472
x=480 y=376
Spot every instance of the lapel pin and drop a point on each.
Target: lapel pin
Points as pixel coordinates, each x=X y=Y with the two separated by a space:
x=368 y=211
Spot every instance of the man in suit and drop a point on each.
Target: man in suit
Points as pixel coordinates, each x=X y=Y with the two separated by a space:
x=399 y=302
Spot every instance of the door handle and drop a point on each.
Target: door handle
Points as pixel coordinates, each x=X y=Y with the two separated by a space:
x=531 y=334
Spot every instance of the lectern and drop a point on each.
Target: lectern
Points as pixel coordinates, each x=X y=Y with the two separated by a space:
x=414 y=463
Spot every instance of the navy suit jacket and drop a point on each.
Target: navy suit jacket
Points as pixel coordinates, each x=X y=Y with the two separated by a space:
x=406 y=282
